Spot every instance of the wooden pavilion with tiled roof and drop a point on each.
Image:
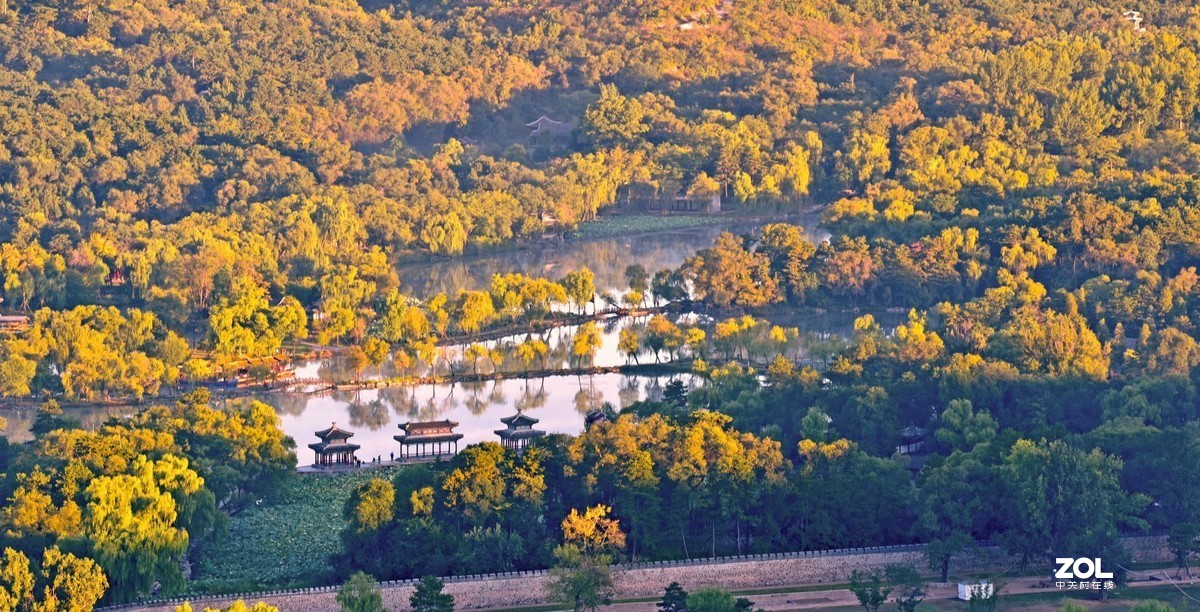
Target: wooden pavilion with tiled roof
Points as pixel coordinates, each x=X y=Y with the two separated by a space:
x=334 y=448
x=428 y=439
x=519 y=431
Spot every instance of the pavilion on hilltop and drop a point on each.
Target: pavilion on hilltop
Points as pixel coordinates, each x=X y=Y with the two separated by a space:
x=518 y=431
x=428 y=439
x=334 y=448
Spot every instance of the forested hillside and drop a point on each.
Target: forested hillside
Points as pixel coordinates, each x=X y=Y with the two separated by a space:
x=182 y=157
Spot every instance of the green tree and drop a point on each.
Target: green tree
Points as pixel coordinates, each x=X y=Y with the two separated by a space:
x=1048 y=485
x=428 y=596
x=1184 y=541
x=870 y=589
x=614 y=118
x=1079 y=117
x=790 y=256
x=674 y=599
x=907 y=585
x=962 y=428
x=359 y=594
x=637 y=278
x=710 y=599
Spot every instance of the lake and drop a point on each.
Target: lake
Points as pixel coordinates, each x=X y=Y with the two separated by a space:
x=560 y=402
x=606 y=258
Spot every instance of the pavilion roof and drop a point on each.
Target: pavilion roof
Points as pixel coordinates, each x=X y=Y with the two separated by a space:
x=545 y=121
x=245 y=362
x=427 y=438
x=416 y=427
x=337 y=447
x=510 y=434
x=333 y=432
x=519 y=419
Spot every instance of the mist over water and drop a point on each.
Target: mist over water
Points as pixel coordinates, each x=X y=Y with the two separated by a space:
x=560 y=402
x=606 y=258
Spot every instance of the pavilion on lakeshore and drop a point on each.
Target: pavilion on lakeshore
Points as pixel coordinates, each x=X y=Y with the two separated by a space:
x=428 y=439
x=519 y=431
x=334 y=448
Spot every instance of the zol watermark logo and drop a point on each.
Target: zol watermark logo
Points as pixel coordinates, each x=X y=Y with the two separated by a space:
x=1082 y=573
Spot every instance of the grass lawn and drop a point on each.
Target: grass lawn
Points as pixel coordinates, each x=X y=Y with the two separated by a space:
x=285 y=544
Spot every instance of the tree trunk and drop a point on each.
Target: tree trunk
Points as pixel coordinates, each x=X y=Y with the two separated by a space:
x=739 y=535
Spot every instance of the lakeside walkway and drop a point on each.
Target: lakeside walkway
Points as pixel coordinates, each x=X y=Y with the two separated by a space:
x=343 y=468
x=317 y=386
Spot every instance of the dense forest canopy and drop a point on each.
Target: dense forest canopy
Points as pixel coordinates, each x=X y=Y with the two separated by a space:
x=1017 y=175
x=227 y=166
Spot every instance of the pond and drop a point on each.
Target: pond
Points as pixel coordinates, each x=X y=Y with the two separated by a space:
x=606 y=258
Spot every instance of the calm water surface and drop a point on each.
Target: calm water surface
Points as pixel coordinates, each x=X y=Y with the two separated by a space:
x=606 y=258
x=560 y=402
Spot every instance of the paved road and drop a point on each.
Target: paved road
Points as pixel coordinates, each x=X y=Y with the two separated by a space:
x=815 y=600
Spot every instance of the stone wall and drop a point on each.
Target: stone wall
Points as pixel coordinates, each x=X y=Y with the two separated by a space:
x=649 y=579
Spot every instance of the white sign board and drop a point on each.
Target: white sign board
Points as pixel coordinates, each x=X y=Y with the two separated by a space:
x=966 y=590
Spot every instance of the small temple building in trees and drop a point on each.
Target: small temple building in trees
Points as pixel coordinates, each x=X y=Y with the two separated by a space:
x=428 y=439
x=334 y=448
x=545 y=127
x=518 y=431
x=13 y=323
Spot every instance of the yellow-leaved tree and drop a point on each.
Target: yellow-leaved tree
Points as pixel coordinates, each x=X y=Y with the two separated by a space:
x=590 y=541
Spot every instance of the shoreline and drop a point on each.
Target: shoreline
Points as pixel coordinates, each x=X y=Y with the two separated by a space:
x=545 y=244
x=321 y=351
